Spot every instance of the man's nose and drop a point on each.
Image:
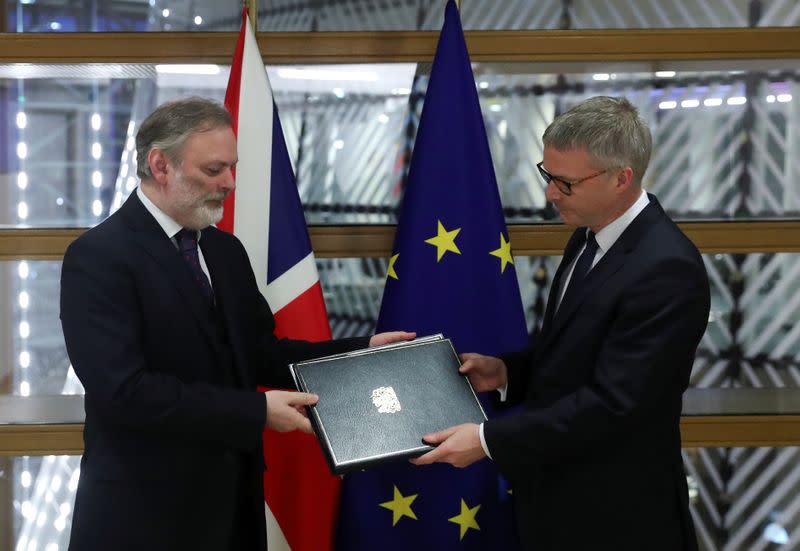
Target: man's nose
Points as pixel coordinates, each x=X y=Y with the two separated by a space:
x=551 y=192
x=228 y=181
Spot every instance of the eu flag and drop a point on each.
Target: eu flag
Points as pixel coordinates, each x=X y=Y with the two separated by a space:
x=450 y=271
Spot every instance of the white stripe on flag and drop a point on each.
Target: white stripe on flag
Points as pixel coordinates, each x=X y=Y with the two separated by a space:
x=292 y=283
x=251 y=219
x=276 y=541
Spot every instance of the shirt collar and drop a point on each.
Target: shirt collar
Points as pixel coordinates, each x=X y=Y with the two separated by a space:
x=609 y=235
x=170 y=226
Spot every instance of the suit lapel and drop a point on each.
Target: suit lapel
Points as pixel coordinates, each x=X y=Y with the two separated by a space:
x=151 y=237
x=612 y=262
x=223 y=282
x=573 y=246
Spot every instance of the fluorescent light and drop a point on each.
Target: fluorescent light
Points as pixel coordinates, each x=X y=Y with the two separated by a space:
x=784 y=98
x=737 y=100
x=327 y=74
x=483 y=85
x=689 y=103
x=383 y=118
x=338 y=92
x=712 y=102
x=165 y=12
x=96 y=121
x=668 y=105
x=194 y=69
x=601 y=76
x=22 y=180
x=22 y=120
x=665 y=74
x=770 y=99
x=198 y=20
x=22 y=150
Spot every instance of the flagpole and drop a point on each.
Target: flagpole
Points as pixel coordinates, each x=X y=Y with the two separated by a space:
x=252 y=13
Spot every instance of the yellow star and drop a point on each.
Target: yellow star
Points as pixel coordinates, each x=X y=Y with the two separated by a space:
x=466 y=519
x=503 y=253
x=444 y=241
x=391 y=272
x=400 y=506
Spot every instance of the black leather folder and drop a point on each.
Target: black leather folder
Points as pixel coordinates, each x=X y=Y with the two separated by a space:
x=376 y=404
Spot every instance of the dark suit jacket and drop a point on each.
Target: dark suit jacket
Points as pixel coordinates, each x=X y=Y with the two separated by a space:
x=173 y=418
x=595 y=457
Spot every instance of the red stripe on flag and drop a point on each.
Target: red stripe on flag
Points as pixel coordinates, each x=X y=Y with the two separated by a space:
x=305 y=317
x=232 y=104
x=309 y=494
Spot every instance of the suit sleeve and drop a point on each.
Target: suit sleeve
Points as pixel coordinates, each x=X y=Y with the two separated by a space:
x=518 y=367
x=103 y=328
x=651 y=342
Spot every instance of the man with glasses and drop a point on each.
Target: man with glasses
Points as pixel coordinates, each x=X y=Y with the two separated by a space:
x=594 y=453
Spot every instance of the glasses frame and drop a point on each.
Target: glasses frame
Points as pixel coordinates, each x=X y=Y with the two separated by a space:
x=565 y=186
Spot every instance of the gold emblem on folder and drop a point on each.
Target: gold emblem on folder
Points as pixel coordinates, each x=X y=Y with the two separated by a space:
x=385 y=400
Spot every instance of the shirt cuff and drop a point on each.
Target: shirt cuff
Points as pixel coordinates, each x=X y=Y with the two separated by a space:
x=503 y=392
x=483 y=442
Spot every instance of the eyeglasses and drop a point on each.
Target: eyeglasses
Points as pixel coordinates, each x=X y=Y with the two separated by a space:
x=564 y=186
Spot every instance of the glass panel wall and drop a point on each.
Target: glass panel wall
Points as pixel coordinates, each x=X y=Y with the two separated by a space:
x=726 y=144
x=397 y=15
x=37 y=495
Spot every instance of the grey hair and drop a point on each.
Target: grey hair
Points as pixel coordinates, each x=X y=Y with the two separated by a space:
x=610 y=129
x=170 y=125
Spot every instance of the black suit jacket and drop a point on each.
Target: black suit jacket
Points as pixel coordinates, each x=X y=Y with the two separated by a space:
x=594 y=456
x=173 y=418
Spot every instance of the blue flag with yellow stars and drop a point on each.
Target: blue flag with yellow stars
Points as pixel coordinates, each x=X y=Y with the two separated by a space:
x=451 y=272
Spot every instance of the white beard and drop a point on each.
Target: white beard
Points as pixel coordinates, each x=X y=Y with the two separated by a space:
x=194 y=208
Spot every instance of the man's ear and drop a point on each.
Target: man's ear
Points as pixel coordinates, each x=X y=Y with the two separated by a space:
x=624 y=179
x=160 y=165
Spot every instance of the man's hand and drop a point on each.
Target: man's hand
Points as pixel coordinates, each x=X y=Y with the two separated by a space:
x=484 y=372
x=286 y=412
x=390 y=337
x=460 y=446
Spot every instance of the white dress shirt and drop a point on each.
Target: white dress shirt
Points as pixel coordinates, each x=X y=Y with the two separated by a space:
x=170 y=227
x=605 y=240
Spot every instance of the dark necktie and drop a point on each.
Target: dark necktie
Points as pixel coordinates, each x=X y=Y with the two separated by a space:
x=187 y=244
x=582 y=266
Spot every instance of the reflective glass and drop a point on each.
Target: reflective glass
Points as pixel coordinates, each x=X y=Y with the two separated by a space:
x=121 y=16
x=394 y=15
x=40 y=501
x=752 y=339
x=744 y=498
x=725 y=140
x=740 y=498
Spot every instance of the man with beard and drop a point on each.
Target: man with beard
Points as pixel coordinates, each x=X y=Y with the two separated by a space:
x=168 y=333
